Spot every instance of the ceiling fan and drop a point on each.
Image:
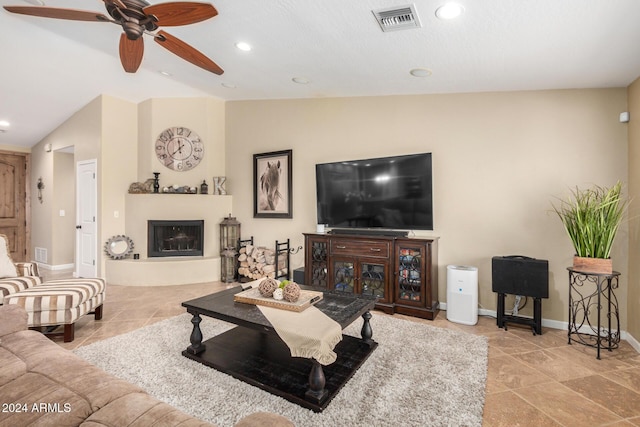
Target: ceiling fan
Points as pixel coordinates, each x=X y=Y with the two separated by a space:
x=137 y=17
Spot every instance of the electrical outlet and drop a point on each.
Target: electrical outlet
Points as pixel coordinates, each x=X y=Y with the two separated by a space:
x=116 y=214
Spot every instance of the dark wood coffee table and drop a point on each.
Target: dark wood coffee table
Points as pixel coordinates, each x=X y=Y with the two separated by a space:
x=254 y=353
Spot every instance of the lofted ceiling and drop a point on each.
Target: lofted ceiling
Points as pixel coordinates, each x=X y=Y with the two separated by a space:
x=51 y=68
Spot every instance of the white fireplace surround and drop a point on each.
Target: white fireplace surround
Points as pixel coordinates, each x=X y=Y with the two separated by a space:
x=139 y=208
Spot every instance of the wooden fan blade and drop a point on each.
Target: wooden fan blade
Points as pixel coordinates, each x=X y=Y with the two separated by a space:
x=116 y=3
x=131 y=52
x=180 y=13
x=186 y=52
x=53 y=12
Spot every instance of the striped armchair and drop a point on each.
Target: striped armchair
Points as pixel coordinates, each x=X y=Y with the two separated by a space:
x=15 y=277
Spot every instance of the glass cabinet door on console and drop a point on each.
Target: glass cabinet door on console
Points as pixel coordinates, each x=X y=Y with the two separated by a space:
x=373 y=278
x=416 y=277
x=316 y=261
x=410 y=275
x=343 y=276
x=359 y=277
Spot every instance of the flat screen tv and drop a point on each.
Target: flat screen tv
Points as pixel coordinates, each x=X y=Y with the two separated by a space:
x=382 y=193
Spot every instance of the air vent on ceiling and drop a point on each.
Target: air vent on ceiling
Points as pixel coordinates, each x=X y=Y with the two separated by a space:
x=397 y=18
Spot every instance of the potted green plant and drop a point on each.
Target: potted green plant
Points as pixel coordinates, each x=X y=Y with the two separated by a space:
x=591 y=217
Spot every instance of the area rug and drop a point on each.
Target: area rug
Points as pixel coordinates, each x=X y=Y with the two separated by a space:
x=419 y=375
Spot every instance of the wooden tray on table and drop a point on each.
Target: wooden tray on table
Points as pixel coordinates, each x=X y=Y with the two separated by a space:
x=253 y=296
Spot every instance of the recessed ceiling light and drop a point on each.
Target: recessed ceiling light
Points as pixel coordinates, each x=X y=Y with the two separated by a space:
x=420 y=72
x=243 y=46
x=4 y=123
x=228 y=85
x=449 y=11
x=301 y=80
x=165 y=73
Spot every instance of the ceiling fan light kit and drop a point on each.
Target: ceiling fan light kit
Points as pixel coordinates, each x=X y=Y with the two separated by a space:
x=138 y=17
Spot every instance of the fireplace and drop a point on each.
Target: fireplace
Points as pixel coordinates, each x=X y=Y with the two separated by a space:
x=175 y=238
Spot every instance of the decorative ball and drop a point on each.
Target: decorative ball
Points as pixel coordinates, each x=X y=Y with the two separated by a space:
x=267 y=286
x=291 y=292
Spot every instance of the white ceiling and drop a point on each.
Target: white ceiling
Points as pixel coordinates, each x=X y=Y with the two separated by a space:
x=51 y=68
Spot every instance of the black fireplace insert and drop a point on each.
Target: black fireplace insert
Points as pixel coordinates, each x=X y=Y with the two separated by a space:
x=175 y=238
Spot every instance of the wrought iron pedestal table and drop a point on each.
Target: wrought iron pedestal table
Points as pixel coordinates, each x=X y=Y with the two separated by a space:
x=591 y=295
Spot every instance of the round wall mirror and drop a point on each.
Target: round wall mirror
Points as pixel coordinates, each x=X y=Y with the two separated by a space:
x=118 y=247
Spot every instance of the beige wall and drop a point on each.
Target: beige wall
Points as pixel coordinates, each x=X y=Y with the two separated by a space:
x=63 y=200
x=499 y=159
x=633 y=301
x=204 y=116
x=120 y=135
x=82 y=131
x=103 y=130
x=116 y=168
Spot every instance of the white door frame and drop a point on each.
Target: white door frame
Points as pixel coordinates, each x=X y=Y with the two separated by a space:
x=86 y=218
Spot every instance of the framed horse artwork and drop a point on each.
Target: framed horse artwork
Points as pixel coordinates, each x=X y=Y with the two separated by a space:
x=272 y=176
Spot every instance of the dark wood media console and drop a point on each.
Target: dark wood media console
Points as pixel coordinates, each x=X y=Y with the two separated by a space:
x=402 y=272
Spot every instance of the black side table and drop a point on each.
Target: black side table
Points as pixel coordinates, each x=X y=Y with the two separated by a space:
x=590 y=296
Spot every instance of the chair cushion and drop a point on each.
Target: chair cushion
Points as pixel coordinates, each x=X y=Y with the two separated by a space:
x=59 y=302
x=7 y=267
x=55 y=295
x=16 y=284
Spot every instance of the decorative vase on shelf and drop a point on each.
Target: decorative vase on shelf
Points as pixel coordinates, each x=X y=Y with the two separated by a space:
x=156 y=182
x=591 y=218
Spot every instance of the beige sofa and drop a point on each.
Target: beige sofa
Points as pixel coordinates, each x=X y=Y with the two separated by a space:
x=43 y=384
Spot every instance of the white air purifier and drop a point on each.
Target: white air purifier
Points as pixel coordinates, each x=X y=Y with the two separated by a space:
x=462 y=294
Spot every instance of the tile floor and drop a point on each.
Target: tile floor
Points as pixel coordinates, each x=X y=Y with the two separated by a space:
x=532 y=380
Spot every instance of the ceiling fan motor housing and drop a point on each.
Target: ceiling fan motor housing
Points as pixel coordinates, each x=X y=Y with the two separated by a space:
x=132 y=18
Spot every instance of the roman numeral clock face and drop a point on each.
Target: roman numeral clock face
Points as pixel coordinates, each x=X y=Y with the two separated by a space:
x=179 y=148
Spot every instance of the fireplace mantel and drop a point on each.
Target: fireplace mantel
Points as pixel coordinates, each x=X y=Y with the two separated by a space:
x=171 y=270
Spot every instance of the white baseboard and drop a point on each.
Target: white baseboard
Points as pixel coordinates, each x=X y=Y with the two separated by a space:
x=631 y=340
x=556 y=324
x=56 y=267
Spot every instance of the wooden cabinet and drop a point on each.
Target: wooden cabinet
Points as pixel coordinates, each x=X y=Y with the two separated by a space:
x=416 y=277
x=401 y=272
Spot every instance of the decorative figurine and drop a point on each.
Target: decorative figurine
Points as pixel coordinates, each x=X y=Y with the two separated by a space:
x=218 y=185
x=267 y=287
x=156 y=182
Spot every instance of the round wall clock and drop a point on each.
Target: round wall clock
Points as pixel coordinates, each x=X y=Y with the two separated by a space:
x=179 y=148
